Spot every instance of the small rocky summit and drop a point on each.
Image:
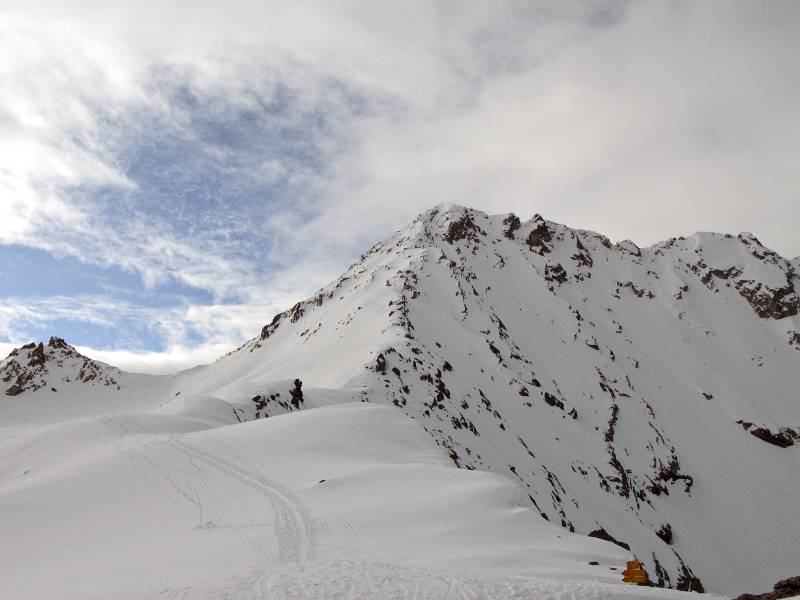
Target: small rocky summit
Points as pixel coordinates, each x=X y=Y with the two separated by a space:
x=35 y=366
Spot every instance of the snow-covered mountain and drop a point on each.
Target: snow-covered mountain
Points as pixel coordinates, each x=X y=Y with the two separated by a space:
x=632 y=392
x=36 y=366
x=645 y=396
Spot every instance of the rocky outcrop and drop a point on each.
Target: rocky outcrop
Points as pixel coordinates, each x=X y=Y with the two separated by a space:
x=665 y=533
x=793 y=338
x=785 y=588
x=539 y=235
x=463 y=228
x=781 y=438
x=602 y=534
x=769 y=303
x=512 y=223
x=274 y=402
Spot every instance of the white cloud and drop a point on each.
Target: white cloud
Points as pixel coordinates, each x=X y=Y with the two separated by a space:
x=678 y=118
x=168 y=361
x=218 y=325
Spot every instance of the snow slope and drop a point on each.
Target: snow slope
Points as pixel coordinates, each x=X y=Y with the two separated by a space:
x=352 y=500
x=643 y=395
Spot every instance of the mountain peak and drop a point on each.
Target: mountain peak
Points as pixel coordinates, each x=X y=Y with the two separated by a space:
x=589 y=371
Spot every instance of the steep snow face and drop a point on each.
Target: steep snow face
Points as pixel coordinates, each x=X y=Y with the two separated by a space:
x=644 y=395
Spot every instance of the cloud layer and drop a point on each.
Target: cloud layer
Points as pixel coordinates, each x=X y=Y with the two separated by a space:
x=235 y=157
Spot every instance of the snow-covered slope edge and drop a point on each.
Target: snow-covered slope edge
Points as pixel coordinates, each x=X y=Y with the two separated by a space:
x=646 y=395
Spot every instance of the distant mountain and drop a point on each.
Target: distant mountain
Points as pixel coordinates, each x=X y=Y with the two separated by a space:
x=35 y=366
x=645 y=396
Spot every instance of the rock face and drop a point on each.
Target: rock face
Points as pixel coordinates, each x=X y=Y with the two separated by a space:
x=783 y=438
x=611 y=382
x=786 y=588
x=35 y=366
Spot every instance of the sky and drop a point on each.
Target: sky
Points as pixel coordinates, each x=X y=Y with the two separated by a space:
x=173 y=174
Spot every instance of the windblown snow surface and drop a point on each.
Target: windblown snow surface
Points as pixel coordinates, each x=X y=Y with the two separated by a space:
x=647 y=397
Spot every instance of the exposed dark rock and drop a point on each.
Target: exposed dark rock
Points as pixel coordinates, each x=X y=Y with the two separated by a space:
x=629 y=247
x=662 y=577
x=512 y=223
x=602 y=534
x=688 y=581
x=794 y=339
x=15 y=389
x=665 y=533
x=296 y=312
x=748 y=238
x=730 y=272
x=582 y=259
x=670 y=473
x=555 y=272
x=785 y=588
x=781 y=438
x=553 y=401
x=538 y=236
x=59 y=343
x=463 y=228
x=640 y=293
x=767 y=302
x=270 y=328
x=612 y=423
x=37 y=356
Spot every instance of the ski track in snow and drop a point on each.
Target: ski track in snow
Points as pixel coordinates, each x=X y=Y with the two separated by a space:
x=287 y=516
x=290 y=533
x=281 y=526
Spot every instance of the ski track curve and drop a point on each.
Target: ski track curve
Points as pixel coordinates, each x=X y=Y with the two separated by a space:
x=291 y=518
x=320 y=506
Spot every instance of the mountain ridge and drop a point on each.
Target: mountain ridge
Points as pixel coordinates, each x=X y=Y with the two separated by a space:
x=615 y=384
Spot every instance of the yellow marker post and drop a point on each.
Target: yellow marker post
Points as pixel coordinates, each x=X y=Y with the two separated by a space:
x=635 y=573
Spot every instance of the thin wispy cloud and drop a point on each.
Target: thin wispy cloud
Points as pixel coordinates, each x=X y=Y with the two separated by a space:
x=231 y=159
